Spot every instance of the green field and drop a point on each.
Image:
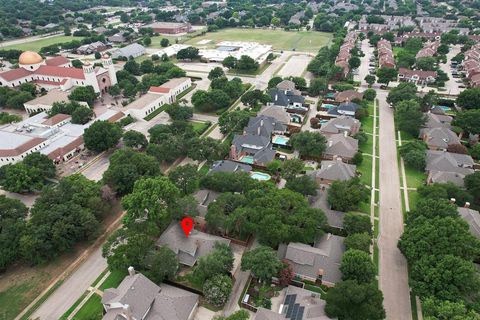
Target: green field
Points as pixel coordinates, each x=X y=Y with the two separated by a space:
x=91 y=310
x=310 y=41
x=37 y=44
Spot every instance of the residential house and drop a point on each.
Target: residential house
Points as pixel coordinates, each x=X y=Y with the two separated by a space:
x=439 y=138
x=293 y=121
x=472 y=217
x=346 y=109
x=204 y=197
x=117 y=38
x=289 y=100
x=131 y=51
x=344 y=53
x=298 y=304
x=319 y=263
x=435 y=120
x=348 y=95
x=189 y=249
x=137 y=297
x=229 y=166
x=288 y=85
x=385 y=54
x=419 y=77
x=342 y=146
x=297 y=18
x=335 y=170
x=254 y=146
x=429 y=50
x=100 y=30
x=471 y=65
x=448 y=167
x=341 y=124
x=334 y=218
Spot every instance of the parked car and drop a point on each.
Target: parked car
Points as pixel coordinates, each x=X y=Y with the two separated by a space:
x=462 y=86
x=383 y=86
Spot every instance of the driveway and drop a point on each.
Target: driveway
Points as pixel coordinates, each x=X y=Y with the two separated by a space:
x=365 y=60
x=451 y=85
x=393 y=275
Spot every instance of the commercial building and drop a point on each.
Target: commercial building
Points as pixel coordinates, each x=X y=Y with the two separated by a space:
x=55 y=137
x=236 y=49
x=157 y=97
x=58 y=73
x=131 y=51
x=170 y=27
x=45 y=102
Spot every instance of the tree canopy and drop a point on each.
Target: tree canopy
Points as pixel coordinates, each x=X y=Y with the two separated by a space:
x=262 y=262
x=102 y=135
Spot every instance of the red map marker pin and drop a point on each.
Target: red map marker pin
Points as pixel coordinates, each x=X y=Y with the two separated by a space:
x=187 y=225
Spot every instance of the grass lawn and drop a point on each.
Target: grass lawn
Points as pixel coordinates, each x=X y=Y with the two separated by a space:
x=181 y=39
x=113 y=280
x=310 y=41
x=249 y=73
x=315 y=289
x=413 y=198
x=368 y=146
x=92 y=310
x=415 y=178
x=69 y=311
x=200 y=127
x=366 y=169
x=155 y=113
x=37 y=44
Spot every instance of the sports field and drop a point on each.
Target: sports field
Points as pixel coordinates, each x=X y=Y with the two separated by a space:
x=35 y=45
x=308 y=41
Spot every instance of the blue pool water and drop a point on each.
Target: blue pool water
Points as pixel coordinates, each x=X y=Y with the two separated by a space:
x=328 y=106
x=247 y=159
x=445 y=108
x=260 y=176
x=281 y=140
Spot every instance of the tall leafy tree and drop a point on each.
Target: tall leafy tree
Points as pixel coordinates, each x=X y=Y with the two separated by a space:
x=309 y=144
x=12 y=226
x=102 y=135
x=409 y=117
x=262 y=262
x=185 y=178
x=357 y=265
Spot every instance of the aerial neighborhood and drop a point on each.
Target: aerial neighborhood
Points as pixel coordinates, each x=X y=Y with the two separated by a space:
x=235 y=160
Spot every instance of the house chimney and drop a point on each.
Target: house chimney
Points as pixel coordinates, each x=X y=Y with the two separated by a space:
x=452 y=200
x=127 y=311
x=131 y=271
x=467 y=205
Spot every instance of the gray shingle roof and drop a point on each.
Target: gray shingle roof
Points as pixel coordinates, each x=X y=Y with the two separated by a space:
x=229 y=166
x=204 y=197
x=334 y=218
x=162 y=302
x=449 y=162
x=349 y=107
x=472 y=217
x=335 y=170
x=440 y=137
x=438 y=121
x=444 y=177
x=285 y=98
x=197 y=245
x=323 y=258
x=341 y=145
x=340 y=124
x=279 y=114
x=264 y=126
x=132 y=50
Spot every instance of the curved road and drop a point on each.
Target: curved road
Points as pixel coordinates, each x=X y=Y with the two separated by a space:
x=393 y=276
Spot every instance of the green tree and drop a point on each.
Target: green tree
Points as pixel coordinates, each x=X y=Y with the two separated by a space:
x=272 y=83
x=189 y=53
x=132 y=67
x=217 y=290
x=12 y=226
x=41 y=162
x=370 y=79
x=317 y=86
x=216 y=73
x=185 y=178
x=468 y=120
x=309 y=144
x=164 y=42
x=472 y=183
x=16 y=100
x=147 y=41
x=357 y=265
x=303 y=184
x=350 y=300
x=469 y=99
x=238 y=315
x=357 y=223
x=347 y=195
x=291 y=168
x=147 y=66
x=229 y=62
x=358 y=241
x=162 y=264
x=354 y=62
x=369 y=94
x=426 y=63
x=102 y=135
x=409 y=117
x=434 y=309
x=262 y=262
x=218 y=262
x=404 y=91
x=86 y=94
x=233 y=121
x=134 y=139
x=205 y=149
x=385 y=75
x=150 y=200
x=127 y=166
x=82 y=115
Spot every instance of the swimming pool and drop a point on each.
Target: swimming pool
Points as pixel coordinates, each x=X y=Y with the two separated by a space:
x=445 y=108
x=323 y=121
x=260 y=176
x=281 y=140
x=328 y=106
x=247 y=159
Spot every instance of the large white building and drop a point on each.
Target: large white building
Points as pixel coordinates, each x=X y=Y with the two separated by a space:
x=157 y=97
x=55 y=137
x=45 y=102
x=256 y=51
x=58 y=73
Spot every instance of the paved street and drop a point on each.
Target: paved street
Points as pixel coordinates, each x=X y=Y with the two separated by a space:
x=451 y=85
x=365 y=60
x=393 y=276
x=66 y=295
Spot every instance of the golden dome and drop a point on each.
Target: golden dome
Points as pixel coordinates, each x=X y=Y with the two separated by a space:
x=29 y=57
